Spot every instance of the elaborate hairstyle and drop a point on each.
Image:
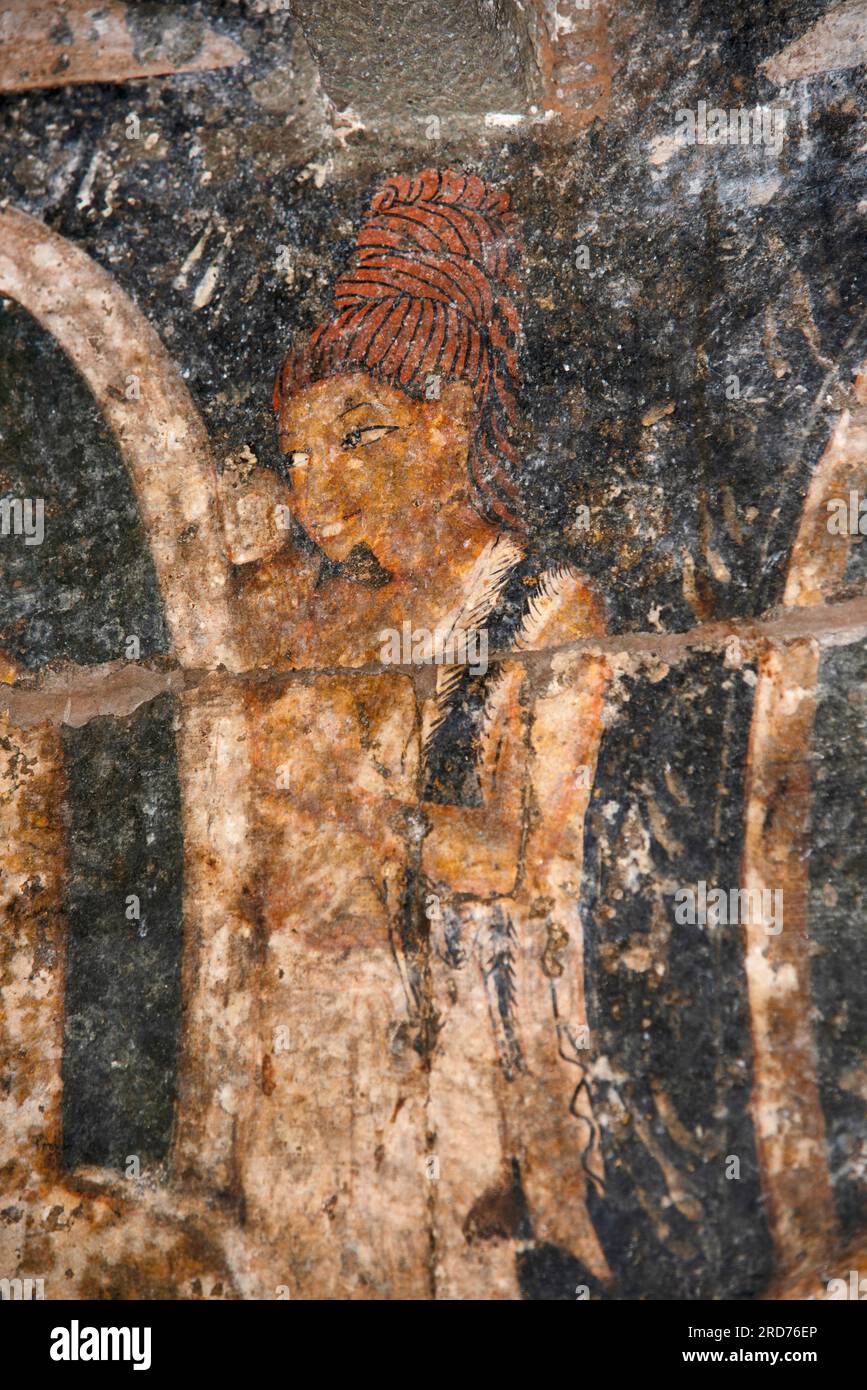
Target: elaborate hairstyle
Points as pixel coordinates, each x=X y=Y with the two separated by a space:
x=431 y=291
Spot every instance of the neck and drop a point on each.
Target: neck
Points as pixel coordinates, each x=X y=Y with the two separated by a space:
x=433 y=570
x=430 y=580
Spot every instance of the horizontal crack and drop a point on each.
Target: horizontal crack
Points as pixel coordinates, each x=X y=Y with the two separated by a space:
x=76 y=694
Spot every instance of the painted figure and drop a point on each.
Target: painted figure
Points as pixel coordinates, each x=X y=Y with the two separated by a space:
x=433 y=911
x=385 y=1078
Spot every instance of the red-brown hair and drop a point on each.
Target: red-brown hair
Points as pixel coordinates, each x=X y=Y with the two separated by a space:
x=431 y=291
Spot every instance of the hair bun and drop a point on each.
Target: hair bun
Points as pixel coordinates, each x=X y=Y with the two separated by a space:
x=431 y=291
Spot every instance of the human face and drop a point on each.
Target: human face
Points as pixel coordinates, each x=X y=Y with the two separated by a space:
x=367 y=462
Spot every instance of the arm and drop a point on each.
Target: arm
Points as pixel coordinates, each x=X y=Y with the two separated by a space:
x=536 y=761
x=526 y=848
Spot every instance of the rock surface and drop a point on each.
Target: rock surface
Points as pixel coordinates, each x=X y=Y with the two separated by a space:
x=291 y=1001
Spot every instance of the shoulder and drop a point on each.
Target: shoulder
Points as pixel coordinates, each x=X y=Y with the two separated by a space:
x=562 y=607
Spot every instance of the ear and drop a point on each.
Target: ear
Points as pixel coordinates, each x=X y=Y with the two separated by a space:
x=456 y=400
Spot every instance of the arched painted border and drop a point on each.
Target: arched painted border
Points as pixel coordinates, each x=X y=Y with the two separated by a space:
x=160 y=434
x=786 y=1105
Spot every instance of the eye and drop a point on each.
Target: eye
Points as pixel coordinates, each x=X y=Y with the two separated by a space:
x=298 y=458
x=365 y=434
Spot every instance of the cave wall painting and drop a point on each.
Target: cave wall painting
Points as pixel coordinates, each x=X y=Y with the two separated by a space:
x=396 y=976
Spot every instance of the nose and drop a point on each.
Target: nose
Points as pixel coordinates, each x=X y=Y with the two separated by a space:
x=294 y=463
